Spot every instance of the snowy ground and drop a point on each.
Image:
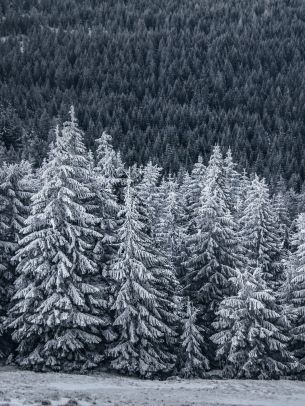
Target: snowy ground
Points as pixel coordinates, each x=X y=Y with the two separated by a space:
x=27 y=388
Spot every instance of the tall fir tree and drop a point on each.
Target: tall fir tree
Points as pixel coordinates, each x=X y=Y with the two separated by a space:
x=280 y=205
x=106 y=183
x=233 y=181
x=16 y=187
x=260 y=233
x=249 y=337
x=110 y=166
x=242 y=189
x=191 y=189
x=170 y=233
x=196 y=181
x=58 y=312
x=293 y=289
x=193 y=347
x=213 y=246
x=148 y=193
x=145 y=302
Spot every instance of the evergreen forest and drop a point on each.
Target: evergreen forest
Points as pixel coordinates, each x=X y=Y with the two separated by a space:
x=131 y=269
x=152 y=198
x=168 y=79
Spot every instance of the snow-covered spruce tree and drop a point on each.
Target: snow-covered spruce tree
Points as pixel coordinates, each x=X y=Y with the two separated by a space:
x=3 y=153
x=233 y=181
x=260 y=233
x=280 y=205
x=110 y=166
x=58 y=312
x=106 y=184
x=213 y=250
x=293 y=289
x=289 y=316
x=193 y=361
x=148 y=193
x=292 y=199
x=170 y=233
x=249 y=336
x=190 y=190
x=16 y=188
x=106 y=180
x=145 y=303
x=213 y=246
x=196 y=181
x=242 y=189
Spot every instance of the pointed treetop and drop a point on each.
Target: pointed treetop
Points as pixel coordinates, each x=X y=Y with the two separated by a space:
x=105 y=138
x=229 y=158
x=216 y=160
x=200 y=159
x=72 y=114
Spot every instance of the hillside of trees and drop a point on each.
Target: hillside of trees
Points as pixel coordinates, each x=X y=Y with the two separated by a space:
x=146 y=273
x=168 y=79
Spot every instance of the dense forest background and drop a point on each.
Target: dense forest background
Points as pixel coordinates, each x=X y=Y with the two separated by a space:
x=168 y=79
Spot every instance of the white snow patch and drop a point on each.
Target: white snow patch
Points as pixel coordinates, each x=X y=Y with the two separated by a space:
x=26 y=388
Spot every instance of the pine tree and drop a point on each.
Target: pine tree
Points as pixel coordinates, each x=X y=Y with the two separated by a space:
x=280 y=206
x=191 y=189
x=16 y=188
x=250 y=340
x=194 y=362
x=233 y=182
x=170 y=233
x=3 y=153
x=196 y=181
x=110 y=166
x=293 y=203
x=106 y=184
x=106 y=178
x=147 y=191
x=242 y=188
x=293 y=289
x=145 y=302
x=260 y=234
x=288 y=309
x=213 y=247
x=58 y=312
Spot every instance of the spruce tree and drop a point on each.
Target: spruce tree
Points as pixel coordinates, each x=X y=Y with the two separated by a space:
x=250 y=338
x=213 y=246
x=289 y=315
x=196 y=181
x=242 y=188
x=233 y=182
x=110 y=166
x=16 y=187
x=293 y=289
x=170 y=233
x=145 y=302
x=193 y=361
x=58 y=311
x=106 y=184
x=260 y=233
x=147 y=190
x=191 y=189
x=106 y=178
x=280 y=205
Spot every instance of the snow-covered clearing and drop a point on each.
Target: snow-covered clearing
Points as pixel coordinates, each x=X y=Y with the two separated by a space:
x=27 y=388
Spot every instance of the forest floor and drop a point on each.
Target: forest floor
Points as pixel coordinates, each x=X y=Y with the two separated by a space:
x=28 y=388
